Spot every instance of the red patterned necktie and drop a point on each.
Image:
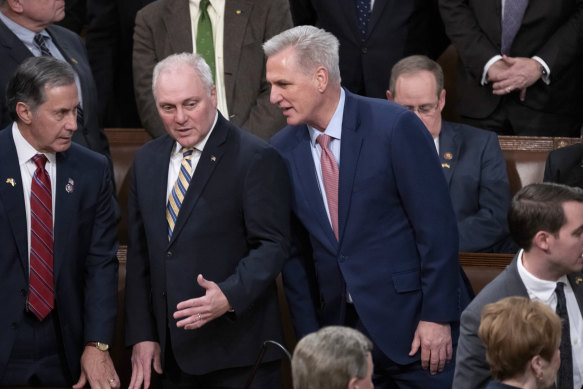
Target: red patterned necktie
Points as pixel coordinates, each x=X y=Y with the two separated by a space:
x=41 y=296
x=330 y=178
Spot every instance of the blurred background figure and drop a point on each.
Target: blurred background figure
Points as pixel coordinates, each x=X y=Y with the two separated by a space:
x=565 y=165
x=522 y=340
x=334 y=357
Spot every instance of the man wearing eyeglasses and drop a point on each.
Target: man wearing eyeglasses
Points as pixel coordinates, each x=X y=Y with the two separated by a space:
x=471 y=159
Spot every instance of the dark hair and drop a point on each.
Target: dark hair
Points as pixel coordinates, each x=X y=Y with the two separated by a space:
x=28 y=83
x=539 y=207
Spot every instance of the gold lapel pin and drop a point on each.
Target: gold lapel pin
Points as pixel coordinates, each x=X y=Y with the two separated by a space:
x=213 y=158
x=448 y=156
x=238 y=12
x=74 y=61
x=578 y=280
x=446 y=165
x=10 y=181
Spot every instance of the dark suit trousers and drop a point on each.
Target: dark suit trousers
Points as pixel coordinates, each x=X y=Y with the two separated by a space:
x=37 y=357
x=514 y=118
x=268 y=376
x=389 y=375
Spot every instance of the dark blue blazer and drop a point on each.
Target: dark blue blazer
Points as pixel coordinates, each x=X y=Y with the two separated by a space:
x=475 y=170
x=85 y=250
x=565 y=166
x=233 y=228
x=13 y=52
x=398 y=248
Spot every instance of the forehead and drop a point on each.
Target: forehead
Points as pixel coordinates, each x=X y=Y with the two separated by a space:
x=178 y=84
x=283 y=64
x=63 y=95
x=419 y=84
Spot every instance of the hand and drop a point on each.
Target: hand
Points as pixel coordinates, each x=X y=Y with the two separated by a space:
x=496 y=71
x=144 y=355
x=522 y=73
x=435 y=342
x=202 y=310
x=97 y=368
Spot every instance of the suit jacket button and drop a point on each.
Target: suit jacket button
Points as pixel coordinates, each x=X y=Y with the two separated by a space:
x=169 y=254
x=164 y=294
x=364 y=50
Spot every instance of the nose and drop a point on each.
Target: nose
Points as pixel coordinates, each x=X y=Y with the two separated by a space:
x=71 y=123
x=274 y=95
x=179 y=116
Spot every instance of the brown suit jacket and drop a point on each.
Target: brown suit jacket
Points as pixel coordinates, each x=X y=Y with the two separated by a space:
x=164 y=28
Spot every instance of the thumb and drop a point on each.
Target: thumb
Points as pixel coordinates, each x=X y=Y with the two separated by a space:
x=203 y=282
x=522 y=94
x=415 y=344
x=82 y=381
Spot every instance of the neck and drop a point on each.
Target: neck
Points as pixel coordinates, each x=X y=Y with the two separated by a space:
x=326 y=109
x=524 y=381
x=539 y=266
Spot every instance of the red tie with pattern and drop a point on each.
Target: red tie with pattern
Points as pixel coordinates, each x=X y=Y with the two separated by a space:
x=41 y=296
x=330 y=178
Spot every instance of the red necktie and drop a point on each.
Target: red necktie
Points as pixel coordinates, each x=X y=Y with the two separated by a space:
x=41 y=296
x=330 y=178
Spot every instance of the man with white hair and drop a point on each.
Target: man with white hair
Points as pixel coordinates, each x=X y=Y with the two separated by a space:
x=208 y=234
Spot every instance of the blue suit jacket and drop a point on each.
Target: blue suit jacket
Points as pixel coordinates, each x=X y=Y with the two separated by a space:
x=475 y=170
x=398 y=248
x=85 y=248
x=565 y=166
x=13 y=52
x=233 y=228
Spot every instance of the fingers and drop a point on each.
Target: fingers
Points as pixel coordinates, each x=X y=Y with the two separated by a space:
x=82 y=381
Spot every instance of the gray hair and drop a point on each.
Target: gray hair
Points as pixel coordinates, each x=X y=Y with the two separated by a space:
x=32 y=77
x=177 y=61
x=330 y=358
x=415 y=64
x=313 y=46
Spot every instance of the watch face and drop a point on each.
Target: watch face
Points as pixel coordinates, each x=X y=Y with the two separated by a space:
x=102 y=346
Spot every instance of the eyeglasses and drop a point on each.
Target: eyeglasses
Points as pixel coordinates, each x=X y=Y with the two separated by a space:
x=424 y=109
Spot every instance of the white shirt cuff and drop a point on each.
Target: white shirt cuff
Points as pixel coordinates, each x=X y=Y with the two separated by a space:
x=487 y=67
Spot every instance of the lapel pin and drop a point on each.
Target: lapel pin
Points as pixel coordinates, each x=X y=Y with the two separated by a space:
x=74 y=61
x=448 y=156
x=446 y=165
x=578 y=280
x=70 y=187
x=213 y=158
x=238 y=12
x=10 y=181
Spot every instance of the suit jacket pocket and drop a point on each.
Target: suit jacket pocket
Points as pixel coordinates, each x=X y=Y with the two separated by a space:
x=407 y=281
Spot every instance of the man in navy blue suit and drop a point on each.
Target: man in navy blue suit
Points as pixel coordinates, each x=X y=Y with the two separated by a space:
x=471 y=159
x=376 y=240
x=58 y=233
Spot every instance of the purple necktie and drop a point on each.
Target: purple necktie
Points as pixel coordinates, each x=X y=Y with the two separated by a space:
x=513 y=13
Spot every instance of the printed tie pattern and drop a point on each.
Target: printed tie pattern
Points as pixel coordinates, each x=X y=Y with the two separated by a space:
x=330 y=178
x=565 y=374
x=363 y=14
x=39 y=41
x=41 y=295
x=204 y=36
x=179 y=190
x=513 y=13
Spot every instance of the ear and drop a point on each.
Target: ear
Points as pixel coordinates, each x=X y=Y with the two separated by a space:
x=24 y=113
x=536 y=365
x=353 y=383
x=14 y=5
x=321 y=77
x=390 y=96
x=542 y=240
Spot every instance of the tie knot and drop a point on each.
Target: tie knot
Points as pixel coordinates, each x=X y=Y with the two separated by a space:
x=560 y=287
x=323 y=140
x=204 y=4
x=39 y=39
x=40 y=160
x=187 y=152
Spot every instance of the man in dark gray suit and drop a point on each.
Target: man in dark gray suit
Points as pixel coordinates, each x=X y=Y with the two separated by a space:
x=546 y=220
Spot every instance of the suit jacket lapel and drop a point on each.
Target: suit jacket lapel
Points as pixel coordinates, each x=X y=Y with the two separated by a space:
x=209 y=159
x=576 y=281
x=351 y=144
x=177 y=21
x=12 y=196
x=66 y=203
x=449 y=149
x=376 y=13
x=236 y=19
x=16 y=48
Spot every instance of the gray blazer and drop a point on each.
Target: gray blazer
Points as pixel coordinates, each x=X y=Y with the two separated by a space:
x=471 y=368
x=164 y=28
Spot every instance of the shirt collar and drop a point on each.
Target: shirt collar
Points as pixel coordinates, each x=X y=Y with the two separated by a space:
x=25 y=150
x=200 y=145
x=24 y=34
x=542 y=290
x=334 y=128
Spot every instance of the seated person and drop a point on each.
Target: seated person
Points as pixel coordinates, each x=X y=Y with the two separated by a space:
x=471 y=159
x=334 y=357
x=522 y=339
x=565 y=165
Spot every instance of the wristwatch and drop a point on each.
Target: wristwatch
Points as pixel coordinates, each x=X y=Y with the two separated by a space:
x=543 y=71
x=100 y=346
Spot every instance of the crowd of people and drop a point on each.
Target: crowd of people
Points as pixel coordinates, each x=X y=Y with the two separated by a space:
x=317 y=152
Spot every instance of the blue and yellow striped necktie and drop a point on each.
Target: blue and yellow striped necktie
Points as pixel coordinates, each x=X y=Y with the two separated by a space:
x=179 y=190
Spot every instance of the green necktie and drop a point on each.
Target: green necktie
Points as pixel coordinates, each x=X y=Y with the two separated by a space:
x=204 y=36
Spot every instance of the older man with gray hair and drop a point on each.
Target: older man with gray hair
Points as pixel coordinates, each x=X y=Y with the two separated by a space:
x=376 y=232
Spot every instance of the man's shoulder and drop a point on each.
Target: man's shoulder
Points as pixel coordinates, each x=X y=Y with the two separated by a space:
x=468 y=132
x=87 y=157
x=568 y=152
x=155 y=8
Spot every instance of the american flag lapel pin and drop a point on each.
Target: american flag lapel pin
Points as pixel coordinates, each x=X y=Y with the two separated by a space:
x=70 y=187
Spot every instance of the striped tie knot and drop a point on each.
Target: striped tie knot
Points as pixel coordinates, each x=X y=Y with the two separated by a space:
x=40 y=160
x=40 y=42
